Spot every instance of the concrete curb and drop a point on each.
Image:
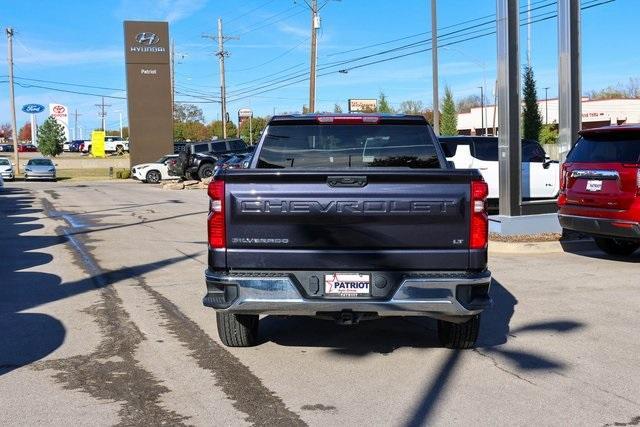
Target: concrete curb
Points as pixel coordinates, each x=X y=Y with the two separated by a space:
x=525 y=247
x=554 y=247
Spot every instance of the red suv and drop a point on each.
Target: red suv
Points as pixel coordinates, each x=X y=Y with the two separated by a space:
x=600 y=188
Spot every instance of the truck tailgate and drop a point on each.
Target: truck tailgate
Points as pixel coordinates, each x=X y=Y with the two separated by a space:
x=391 y=219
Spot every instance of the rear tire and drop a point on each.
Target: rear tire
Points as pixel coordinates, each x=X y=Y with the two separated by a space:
x=459 y=336
x=237 y=330
x=616 y=247
x=205 y=171
x=153 y=177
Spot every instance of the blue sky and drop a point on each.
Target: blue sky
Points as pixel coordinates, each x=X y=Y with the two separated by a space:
x=82 y=43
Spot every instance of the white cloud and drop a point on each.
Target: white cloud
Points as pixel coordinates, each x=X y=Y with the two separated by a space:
x=168 y=10
x=290 y=29
x=51 y=57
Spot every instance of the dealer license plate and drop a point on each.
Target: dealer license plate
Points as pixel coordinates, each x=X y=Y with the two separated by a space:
x=594 y=185
x=347 y=285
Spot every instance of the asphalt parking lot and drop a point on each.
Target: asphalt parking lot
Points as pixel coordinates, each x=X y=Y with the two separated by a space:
x=101 y=322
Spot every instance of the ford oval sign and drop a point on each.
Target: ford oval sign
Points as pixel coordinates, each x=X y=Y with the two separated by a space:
x=33 y=108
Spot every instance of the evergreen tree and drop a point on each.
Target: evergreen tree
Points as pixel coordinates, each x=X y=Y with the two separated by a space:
x=383 y=104
x=50 y=137
x=531 y=118
x=449 y=118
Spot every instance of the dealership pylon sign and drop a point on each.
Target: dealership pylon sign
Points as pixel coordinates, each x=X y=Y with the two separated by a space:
x=61 y=114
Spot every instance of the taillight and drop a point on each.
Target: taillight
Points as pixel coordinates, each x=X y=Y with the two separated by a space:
x=215 y=221
x=479 y=232
x=638 y=182
x=563 y=177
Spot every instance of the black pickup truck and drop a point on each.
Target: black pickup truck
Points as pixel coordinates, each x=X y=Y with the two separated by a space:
x=348 y=217
x=197 y=160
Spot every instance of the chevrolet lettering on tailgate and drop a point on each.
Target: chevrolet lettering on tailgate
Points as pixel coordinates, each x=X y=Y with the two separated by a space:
x=347 y=207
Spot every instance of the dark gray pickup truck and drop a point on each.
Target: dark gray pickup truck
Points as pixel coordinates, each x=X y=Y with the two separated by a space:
x=348 y=217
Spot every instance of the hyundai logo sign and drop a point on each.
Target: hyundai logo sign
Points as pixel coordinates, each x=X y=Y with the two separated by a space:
x=33 y=108
x=147 y=38
x=147 y=42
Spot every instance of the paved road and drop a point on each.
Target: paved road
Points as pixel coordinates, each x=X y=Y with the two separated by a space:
x=101 y=322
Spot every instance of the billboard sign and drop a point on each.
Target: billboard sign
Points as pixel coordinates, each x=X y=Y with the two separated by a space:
x=146 y=49
x=33 y=108
x=244 y=113
x=61 y=114
x=363 y=105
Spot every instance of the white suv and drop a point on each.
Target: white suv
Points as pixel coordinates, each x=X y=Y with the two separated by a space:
x=540 y=176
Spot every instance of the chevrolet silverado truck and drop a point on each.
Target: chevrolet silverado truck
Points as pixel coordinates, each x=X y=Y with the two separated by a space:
x=348 y=217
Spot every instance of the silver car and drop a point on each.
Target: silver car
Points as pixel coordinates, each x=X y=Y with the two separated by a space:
x=40 y=169
x=6 y=169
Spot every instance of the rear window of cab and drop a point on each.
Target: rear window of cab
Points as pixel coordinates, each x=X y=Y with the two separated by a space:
x=607 y=148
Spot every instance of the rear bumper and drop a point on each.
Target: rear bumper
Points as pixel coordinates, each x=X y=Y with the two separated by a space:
x=447 y=295
x=600 y=226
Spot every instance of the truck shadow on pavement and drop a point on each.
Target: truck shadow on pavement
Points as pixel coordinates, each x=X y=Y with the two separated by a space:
x=587 y=248
x=386 y=335
x=28 y=337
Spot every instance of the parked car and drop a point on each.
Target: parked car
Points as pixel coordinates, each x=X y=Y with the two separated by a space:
x=65 y=146
x=76 y=146
x=600 y=188
x=6 y=169
x=112 y=144
x=540 y=175
x=27 y=148
x=198 y=159
x=234 y=161
x=316 y=226
x=1 y=183
x=153 y=172
x=40 y=168
x=6 y=148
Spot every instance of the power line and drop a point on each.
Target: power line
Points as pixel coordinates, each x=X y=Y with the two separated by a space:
x=272 y=59
x=249 y=11
x=69 y=84
x=292 y=80
x=266 y=23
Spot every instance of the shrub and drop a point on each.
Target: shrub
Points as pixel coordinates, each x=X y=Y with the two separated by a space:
x=548 y=135
x=123 y=174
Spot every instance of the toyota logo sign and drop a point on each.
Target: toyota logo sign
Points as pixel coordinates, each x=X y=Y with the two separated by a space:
x=59 y=109
x=147 y=38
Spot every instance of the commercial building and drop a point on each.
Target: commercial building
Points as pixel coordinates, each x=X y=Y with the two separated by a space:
x=595 y=113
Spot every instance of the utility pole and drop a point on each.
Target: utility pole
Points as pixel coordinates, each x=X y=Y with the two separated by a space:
x=12 y=100
x=75 y=124
x=103 y=113
x=546 y=106
x=173 y=75
x=482 y=109
x=221 y=54
x=315 y=24
x=434 y=66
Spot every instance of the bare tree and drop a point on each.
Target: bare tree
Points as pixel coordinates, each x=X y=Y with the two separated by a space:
x=465 y=104
x=411 y=107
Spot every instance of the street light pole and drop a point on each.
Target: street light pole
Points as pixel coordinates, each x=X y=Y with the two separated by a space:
x=546 y=106
x=482 y=109
x=434 y=68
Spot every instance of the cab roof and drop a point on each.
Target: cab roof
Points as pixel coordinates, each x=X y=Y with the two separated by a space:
x=615 y=129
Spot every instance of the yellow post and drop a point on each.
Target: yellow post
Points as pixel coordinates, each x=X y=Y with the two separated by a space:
x=97 y=143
